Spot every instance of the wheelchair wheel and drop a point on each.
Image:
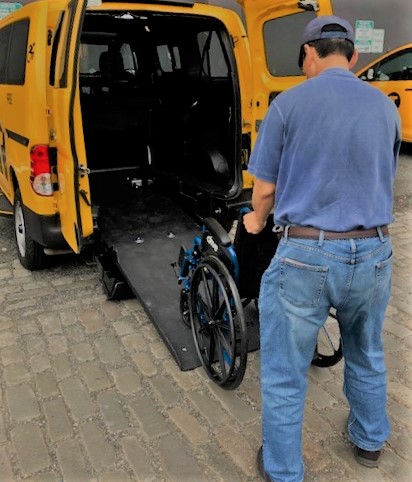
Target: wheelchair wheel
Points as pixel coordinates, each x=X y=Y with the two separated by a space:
x=184 y=307
x=328 y=350
x=218 y=323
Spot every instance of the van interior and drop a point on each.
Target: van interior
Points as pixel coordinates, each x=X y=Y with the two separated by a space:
x=160 y=106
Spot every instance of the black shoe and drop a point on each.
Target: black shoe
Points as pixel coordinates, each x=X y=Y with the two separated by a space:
x=366 y=458
x=259 y=460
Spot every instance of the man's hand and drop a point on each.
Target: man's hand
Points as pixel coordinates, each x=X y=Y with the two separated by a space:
x=252 y=223
x=263 y=198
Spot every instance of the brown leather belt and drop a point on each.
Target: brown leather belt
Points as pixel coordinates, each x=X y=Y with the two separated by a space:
x=313 y=233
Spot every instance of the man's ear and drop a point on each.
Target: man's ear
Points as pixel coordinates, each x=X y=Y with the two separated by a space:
x=354 y=59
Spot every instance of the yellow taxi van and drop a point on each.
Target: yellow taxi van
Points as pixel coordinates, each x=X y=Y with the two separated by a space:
x=392 y=74
x=100 y=96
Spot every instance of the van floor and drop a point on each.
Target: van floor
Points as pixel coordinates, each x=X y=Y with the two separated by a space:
x=145 y=236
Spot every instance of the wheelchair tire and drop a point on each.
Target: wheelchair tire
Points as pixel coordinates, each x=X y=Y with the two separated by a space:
x=329 y=351
x=218 y=323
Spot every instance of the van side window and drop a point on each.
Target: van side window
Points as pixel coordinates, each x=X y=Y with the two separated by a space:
x=213 y=60
x=169 y=58
x=16 y=64
x=397 y=67
x=4 y=47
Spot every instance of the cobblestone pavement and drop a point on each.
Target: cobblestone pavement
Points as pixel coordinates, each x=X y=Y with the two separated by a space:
x=89 y=392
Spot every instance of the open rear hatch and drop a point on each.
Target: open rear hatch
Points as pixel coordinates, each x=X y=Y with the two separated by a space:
x=161 y=119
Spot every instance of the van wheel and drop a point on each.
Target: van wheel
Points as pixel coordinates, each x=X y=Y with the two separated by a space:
x=31 y=253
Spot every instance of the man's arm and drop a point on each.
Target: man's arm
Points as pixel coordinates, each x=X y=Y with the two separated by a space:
x=263 y=199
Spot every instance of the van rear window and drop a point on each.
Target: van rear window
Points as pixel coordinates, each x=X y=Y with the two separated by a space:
x=16 y=66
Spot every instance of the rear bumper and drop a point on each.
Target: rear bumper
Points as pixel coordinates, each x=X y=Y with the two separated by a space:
x=45 y=230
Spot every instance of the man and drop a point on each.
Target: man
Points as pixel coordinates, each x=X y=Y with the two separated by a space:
x=325 y=157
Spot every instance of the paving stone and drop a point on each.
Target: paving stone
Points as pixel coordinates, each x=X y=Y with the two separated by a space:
x=3 y=432
x=11 y=355
x=134 y=342
x=62 y=367
x=109 y=350
x=22 y=403
x=101 y=453
x=238 y=449
x=68 y=317
x=124 y=327
x=57 y=344
x=6 y=470
x=126 y=380
x=30 y=448
x=114 y=476
x=144 y=363
x=75 y=334
x=58 y=423
x=209 y=408
x=96 y=378
x=158 y=348
x=139 y=460
x=83 y=352
x=71 y=462
x=188 y=424
x=165 y=390
x=8 y=338
x=111 y=309
x=150 y=419
x=77 y=398
x=40 y=363
x=320 y=397
x=177 y=464
x=16 y=374
x=35 y=344
x=92 y=320
x=400 y=393
x=46 y=384
x=113 y=412
x=187 y=380
x=222 y=465
x=27 y=326
x=50 y=323
x=235 y=406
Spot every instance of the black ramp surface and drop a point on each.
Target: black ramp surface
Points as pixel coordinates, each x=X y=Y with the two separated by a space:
x=146 y=234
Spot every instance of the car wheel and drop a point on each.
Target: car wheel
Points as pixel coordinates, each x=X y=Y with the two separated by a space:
x=30 y=253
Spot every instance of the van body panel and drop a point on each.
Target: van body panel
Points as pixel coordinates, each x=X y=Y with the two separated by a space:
x=67 y=137
x=23 y=112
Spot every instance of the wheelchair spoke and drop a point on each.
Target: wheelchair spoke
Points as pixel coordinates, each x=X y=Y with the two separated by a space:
x=218 y=324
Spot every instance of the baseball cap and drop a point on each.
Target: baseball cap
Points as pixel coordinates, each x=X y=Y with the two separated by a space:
x=315 y=29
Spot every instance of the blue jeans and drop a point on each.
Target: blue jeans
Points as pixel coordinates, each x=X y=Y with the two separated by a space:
x=304 y=280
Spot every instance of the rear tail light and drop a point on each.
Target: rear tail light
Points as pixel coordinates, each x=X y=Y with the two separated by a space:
x=40 y=177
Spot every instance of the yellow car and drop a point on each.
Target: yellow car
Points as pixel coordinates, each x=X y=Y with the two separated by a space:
x=392 y=73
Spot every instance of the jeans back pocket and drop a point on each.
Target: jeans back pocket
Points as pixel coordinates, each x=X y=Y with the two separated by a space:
x=302 y=284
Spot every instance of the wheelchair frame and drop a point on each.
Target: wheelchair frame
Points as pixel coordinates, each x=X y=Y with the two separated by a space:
x=217 y=283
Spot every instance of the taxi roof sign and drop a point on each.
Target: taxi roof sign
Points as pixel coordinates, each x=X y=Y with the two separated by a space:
x=8 y=7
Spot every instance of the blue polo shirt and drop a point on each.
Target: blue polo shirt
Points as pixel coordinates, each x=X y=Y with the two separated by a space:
x=331 y=146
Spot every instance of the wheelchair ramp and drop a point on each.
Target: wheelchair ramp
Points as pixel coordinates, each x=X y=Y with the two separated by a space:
x=144 y=236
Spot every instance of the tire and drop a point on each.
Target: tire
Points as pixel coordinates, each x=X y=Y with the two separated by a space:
x=329 y=349
x=218 y=324
x=31 y=254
